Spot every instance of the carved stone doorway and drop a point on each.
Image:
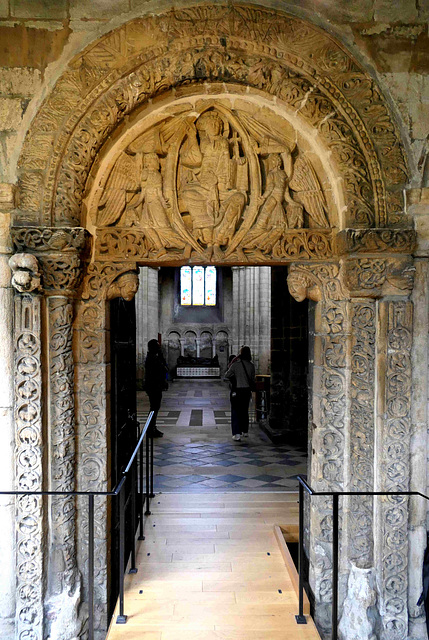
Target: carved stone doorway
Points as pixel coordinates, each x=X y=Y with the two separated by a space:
x=215 y=135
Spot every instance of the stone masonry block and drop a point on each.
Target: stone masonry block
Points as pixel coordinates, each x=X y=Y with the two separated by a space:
x=53 y=9
x=7 y=145
x=20 y=82
x=97 y=9
x=4 y=8
x=398 y=11
x=11 y=111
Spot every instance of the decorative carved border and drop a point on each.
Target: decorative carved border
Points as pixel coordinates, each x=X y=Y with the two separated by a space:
x=362 y=441
x=376 y=240
x=29 y=475
x=394 y=470
x=113 y=244
x=282 y=55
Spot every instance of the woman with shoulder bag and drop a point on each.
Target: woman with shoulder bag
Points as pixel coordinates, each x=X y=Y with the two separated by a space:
x=241 y=375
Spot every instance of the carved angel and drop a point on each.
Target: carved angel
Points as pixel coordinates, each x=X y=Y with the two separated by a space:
x=271 y=221
x=303 y=192
x=151 y=209
x=308 y=193
x=122 y=183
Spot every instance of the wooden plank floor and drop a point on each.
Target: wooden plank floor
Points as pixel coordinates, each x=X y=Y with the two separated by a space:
x=211 y=569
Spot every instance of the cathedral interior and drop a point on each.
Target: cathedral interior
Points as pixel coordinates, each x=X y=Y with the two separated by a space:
x=213 y=175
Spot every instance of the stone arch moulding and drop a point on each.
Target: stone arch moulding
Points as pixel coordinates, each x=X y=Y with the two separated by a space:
x=290 y=60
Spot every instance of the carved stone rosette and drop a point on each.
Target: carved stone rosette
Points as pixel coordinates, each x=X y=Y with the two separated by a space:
x=29 y=474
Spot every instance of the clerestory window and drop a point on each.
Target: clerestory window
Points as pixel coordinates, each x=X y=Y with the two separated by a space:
x=198 y=286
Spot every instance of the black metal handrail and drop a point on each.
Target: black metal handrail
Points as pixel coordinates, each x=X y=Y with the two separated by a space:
x=304 y=486
x=145 y=497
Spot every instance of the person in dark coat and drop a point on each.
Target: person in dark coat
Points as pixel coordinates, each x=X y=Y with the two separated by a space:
x=156 y=371
x=241 y=375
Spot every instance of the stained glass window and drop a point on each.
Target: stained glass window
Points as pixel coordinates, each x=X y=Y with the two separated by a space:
x=198 y=286
x=210 y=286
x=186 y=286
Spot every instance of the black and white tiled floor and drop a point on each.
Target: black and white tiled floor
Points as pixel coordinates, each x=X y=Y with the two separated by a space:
x=197 y=453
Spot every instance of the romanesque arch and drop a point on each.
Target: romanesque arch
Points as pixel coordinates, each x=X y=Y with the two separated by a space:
x=272 y=93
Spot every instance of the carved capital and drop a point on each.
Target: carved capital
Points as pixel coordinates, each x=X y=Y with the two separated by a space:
x=59 y=252
x=376 y=240
x=100 y=276
x=48 y=239
x=25 y=273
x=377 y=277
x=315 y=282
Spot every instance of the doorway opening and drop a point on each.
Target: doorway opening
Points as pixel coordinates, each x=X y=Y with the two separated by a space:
x=252 y=307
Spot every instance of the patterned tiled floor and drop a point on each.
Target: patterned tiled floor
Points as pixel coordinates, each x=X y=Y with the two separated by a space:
x=197 y=453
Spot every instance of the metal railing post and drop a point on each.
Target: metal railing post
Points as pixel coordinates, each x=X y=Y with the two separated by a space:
x=147 y=512
x=152 y=495
x=90 y=567
x=141 y=500
x=133 y=568
x=300 y=618
x=335 y=566
x=122 y=618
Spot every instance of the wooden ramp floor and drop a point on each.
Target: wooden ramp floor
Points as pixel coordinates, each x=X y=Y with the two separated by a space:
x=210 y=568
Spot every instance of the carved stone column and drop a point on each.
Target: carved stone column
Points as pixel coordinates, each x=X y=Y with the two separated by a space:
x=29 y=621
x=62 y=274
x=59 y=255
x=7 y=433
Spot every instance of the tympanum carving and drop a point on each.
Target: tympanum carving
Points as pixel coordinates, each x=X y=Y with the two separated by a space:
x=214 y=185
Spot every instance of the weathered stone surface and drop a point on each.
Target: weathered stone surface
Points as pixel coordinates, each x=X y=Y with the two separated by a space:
x=55 y=9
x=11 y=112
x=20 y=81
x=4 y=8
x=24 y=46
x=358 y=621
x=398 y=11
x=97 y=9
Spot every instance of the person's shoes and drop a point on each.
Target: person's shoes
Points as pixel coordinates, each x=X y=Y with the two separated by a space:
x=245 y=435
x=236 y=437
x=156 y=433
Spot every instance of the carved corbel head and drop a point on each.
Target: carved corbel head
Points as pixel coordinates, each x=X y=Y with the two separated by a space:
x=302 y=286
x=124 y=286
x=25 y=272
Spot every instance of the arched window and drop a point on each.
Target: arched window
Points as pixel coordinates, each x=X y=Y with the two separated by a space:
x=198 y=286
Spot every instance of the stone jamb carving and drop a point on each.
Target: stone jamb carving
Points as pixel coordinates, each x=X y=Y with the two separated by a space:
x=375 y=277
x=92 y=371
x=394 y=460
x=207 y=44
x=29 y=474
x=64 y=579
x=322 y=283
x=362 y=437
